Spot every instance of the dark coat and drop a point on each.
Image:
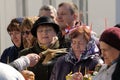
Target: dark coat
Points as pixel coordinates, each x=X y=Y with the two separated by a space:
x=42 y=72
x=69 y=63
x=10 y=54
x=116 y=73
x=64 y=42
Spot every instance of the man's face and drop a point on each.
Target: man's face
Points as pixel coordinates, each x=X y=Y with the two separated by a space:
x=64 y=16
x=108 y=53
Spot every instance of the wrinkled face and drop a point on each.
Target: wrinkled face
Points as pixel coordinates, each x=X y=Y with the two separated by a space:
x=78 y=45
x=64 y=16
x=27 y=34
x=109 y=53
x=45 y=34
x=15 y=37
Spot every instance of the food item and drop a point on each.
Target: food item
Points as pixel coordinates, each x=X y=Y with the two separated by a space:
x=51 y=53
x=28 y=75
x=69 y=76
x=87 y=77
x=74 y=76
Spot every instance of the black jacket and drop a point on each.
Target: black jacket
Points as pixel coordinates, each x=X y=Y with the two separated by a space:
x=42 y=72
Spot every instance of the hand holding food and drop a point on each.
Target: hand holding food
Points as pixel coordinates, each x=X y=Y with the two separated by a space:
x=75 y=76
x=87 y=77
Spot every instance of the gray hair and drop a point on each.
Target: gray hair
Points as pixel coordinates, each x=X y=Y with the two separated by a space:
x=47 y=8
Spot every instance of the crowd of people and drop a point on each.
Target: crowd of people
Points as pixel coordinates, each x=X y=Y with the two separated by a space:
x=56 y=45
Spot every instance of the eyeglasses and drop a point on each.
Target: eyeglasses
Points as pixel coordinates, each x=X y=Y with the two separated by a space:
x=26 y=32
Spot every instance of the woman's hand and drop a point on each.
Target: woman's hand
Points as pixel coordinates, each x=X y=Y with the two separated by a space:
x=77 y=76
x=34 y=58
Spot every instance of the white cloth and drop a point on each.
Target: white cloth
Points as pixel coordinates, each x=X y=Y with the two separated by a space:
x=9 y=73
x=104 y=73
x=21 y=63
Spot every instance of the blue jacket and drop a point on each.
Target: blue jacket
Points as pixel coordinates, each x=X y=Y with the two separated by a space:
x=10 y=54
x=69 y=63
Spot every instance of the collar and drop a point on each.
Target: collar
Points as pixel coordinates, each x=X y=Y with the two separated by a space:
x=54 y=45
x=114 y=61
x=70 y=57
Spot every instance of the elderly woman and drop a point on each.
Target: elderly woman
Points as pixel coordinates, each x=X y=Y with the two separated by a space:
x=45 y=30
x=80 y=58
x=110 y=48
